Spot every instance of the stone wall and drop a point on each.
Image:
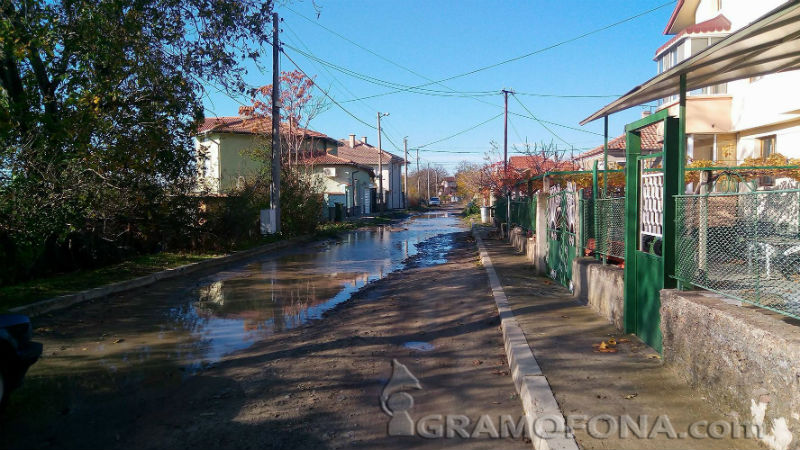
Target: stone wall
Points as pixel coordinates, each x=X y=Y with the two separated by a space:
x=601 y=287
x=747 y=360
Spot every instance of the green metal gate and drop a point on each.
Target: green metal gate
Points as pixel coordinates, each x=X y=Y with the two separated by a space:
x=649 y=227
x=561 y=235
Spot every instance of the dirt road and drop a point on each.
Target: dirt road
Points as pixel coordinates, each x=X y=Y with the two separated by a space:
x=314 y=386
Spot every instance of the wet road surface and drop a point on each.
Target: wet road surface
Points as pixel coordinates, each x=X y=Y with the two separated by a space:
x=135 y=345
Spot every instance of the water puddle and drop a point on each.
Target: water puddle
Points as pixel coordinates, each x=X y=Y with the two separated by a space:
x=193 y=323
x=419 y=346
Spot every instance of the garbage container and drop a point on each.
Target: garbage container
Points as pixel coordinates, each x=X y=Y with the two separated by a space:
x=485 y=214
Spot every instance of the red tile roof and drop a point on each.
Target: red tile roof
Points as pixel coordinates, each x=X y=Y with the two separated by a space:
x=538 y=163
x=250 y=125
x=332 y=160
x=365 y=154
x=652 y=141
x=718 y=24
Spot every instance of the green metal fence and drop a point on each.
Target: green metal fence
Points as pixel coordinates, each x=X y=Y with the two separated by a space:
x=609 y=214
x=523 y=213
x=586 y=208
x=742 y=245
x=500 y=209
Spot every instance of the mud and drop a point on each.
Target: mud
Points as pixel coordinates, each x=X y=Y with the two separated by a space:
x=148 y=370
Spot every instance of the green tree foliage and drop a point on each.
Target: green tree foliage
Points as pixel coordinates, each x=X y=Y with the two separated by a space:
x=98 y=102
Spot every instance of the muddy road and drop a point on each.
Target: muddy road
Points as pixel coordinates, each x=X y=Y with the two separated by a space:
x=288 y=351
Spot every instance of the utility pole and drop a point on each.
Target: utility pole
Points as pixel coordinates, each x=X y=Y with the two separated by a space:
x=276 y=125
x=405 y=174
x=435 y=181
x=419 y=186
x=505 y=161
x=428 y=173
x=380 y=164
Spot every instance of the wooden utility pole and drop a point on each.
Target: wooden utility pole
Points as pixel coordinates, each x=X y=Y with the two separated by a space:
x=419 y=185
x=428 y=172
x=380 y=164
x=405 y=174
x=276 y=125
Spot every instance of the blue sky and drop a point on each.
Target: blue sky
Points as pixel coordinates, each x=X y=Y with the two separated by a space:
x=440 y=39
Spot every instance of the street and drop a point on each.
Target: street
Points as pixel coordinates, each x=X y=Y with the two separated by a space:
x=287 y=351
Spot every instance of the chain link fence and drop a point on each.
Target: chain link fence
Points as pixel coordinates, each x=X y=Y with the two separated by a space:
x=609 y=215
x=742 y=245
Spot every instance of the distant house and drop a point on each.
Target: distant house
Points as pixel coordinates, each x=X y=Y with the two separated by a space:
x=347 y=183
x=652 y=141
x=362 y=153
x=225 y=148
x=447 y=189
x=532 y=165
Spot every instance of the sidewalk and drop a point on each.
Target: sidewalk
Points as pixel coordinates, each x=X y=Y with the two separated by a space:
x=632 y=382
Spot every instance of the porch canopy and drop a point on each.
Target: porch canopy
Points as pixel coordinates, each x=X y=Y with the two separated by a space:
x=768 y=45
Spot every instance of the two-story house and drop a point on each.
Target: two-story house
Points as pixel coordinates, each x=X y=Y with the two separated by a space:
x=360 y=152
x=750 y=118
x=229 y=149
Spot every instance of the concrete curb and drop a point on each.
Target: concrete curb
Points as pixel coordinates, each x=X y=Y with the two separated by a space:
x=534 y=390
x=64 y=301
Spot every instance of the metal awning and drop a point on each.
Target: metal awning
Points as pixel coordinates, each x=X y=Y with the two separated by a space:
x=768 y=45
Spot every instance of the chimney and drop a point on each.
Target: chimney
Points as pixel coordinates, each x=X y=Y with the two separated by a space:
x=645 y=113
x=364 y=139
x=352 y=140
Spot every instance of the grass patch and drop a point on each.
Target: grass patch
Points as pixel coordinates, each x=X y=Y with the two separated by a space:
x=68 y=283
x=43 y=288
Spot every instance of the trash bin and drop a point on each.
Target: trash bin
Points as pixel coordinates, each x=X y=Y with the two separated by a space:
x=485 y=215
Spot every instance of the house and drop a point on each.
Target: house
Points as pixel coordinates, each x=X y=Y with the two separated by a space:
x=652 y=142
x=228 y=147
x=364 y=154
x=526 y=166
x=346 y=183
x=448 y=189
x=748 y=118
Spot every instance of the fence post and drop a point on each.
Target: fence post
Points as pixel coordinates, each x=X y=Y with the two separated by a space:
x=705 y=176
x=595 y=192
x=541 y=232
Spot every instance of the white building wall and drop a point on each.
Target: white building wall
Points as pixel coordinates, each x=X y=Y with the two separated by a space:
x=208 y=169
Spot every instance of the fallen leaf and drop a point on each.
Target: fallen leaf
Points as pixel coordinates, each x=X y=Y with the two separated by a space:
x=117 y=341
x=477 y=362
x=654 y=356
x=631 y=396
x=612 y=342
x=623 y=340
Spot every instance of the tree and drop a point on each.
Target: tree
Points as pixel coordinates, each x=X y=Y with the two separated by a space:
x=468 y=180
x=98 y=103
x=298 y=108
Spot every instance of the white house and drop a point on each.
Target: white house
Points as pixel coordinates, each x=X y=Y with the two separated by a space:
x=751 y=118
x=367 y=155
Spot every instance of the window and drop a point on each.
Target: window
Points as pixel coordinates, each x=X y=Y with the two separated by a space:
x=766 y=147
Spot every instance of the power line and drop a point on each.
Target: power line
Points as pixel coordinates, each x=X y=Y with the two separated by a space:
x=517 y=58
x=462 y=131
x=539 y=121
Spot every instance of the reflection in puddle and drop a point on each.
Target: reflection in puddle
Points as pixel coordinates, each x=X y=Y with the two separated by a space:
x=419 y=346
x=231 y=310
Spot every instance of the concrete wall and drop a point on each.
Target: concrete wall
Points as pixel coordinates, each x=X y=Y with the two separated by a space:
x=746 y=360
x=601 y=287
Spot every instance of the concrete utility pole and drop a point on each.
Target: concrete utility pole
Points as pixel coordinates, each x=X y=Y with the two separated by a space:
x=428 y=172
x=505 y=161
x=276 y=125
x=380 y=164
x=405 y=174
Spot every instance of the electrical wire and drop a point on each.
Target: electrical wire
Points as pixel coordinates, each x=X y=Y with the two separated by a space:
x=461 y=132
x=516 y=58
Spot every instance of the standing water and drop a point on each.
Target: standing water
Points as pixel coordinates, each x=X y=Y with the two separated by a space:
x=189 y=323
